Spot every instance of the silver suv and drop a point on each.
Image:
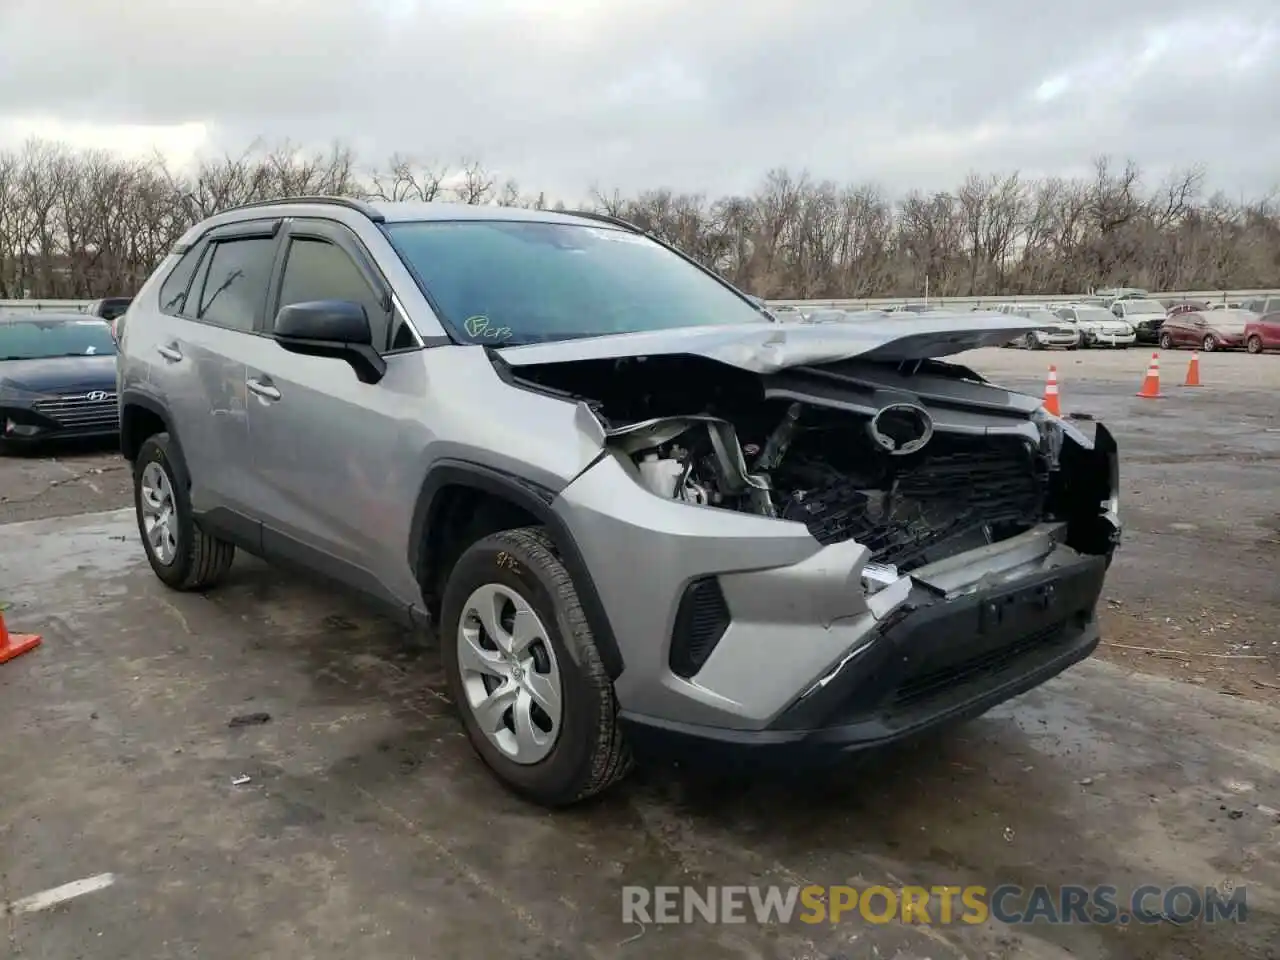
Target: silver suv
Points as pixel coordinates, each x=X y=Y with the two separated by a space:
x=640 y=514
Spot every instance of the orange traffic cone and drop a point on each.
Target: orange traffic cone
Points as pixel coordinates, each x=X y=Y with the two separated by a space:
x=1151 y=385
x=1193 y=371
x=1051 y=392
x=14 y=644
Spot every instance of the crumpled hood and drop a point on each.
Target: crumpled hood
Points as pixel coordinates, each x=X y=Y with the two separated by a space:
x=769 y=347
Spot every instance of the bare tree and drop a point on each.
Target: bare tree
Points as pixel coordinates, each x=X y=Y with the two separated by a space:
x=88 y=224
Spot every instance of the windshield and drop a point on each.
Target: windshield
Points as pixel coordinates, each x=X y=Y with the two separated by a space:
x=505 y=282
x=1143 y=306
x=39 y=339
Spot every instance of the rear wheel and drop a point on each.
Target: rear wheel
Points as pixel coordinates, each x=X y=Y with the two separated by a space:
x=523 y=669
x=1166 y=341
x=1210 y=343
x=182 y=555
x=1254 y=344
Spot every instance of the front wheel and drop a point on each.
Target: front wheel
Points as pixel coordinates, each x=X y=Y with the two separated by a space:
x=1030 y=342
x=1254 y=344
x=182 y=555
x=1210 y=343
x=1166 y=342
x=523 y=668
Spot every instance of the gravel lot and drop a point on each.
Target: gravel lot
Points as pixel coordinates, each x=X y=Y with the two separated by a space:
x=367 y=829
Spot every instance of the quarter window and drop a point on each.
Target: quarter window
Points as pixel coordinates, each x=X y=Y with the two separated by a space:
x=173 y=292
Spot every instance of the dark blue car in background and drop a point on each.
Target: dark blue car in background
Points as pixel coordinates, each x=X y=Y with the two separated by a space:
x=57 y=378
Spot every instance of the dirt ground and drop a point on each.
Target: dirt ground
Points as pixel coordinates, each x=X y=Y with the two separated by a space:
x=367 y=828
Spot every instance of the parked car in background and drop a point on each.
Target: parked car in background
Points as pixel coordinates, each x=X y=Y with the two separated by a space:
x=112 y=310
x=1263 y=333
x=1229 y=305
x=108 y=308
x=1261 y=305
x=1186 y=306
x=915 y=308
x=1051 y=331
x=57 y=378
x=824 y=315
x=1097 y=326
x=1122 y=293
x=1208 y=331
x=1144 y=315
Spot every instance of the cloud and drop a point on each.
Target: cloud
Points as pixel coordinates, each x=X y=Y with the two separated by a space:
x=567 y=94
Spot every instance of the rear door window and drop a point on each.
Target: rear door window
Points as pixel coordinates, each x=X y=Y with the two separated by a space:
x=234 y=289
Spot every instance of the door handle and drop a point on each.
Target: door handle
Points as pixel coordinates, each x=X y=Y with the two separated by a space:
x=170 y=352
x=262 y=389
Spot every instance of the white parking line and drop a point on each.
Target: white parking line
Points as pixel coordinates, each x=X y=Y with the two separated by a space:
x=52 y=897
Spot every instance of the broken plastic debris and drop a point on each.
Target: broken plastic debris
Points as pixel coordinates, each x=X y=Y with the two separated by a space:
x=249 y=719
x=240 y=781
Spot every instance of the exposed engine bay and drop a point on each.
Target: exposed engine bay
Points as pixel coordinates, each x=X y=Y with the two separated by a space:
x=916 y=461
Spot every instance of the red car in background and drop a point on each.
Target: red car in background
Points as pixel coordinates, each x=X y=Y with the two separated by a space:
x=1263 y=333
x=1208 y=331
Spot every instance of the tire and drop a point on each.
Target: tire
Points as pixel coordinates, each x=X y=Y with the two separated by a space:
x=1030 y=342
x=583 y=753
x=1253 y=345
x=198 y=560
x=1210 y=343
x=1166 y=341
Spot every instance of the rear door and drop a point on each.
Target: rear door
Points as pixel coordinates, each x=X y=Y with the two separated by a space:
x=214 y=327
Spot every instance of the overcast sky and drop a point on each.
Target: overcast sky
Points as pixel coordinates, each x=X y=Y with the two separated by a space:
x=696 y=94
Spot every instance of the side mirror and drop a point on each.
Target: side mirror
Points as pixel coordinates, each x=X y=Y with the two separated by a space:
x=331 y=328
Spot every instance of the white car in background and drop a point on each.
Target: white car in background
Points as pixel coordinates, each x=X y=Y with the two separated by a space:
x=1097 y=325
x=1051 y=330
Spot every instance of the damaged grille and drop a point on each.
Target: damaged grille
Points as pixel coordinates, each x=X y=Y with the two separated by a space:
x=976 y=489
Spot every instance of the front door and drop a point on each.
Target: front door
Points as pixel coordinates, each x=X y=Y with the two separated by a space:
x=325 y=443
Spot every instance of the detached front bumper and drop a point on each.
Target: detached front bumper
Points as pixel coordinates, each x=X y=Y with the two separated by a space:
x=935 y=661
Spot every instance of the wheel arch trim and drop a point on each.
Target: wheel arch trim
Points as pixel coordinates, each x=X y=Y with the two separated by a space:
x=537 y=500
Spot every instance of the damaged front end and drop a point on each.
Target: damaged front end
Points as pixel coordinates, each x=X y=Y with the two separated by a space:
x=917 y=461
x=868 y=543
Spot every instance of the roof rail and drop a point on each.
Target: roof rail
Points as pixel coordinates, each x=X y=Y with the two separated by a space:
x=351 y=203
x=603 y=218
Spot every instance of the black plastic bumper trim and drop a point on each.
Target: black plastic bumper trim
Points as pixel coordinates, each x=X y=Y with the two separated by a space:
x=1040 y=632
